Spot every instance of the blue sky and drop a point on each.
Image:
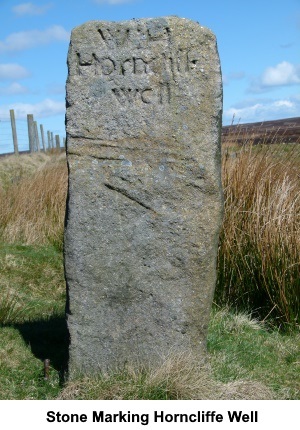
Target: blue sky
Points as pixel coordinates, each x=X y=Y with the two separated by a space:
x=258 y=44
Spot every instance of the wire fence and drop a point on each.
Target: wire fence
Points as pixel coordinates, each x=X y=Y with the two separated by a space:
x=23 y=136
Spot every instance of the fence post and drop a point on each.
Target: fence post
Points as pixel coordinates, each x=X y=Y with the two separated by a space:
x=52 y=139
x=43 y=137
x=36 y=135
x=14 y=131
x=30 y=132
x=57 y=141
x=49 y=139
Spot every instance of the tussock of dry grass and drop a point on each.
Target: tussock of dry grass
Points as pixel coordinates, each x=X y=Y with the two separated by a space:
x=179 y=377
x=10 y=308
x=245 y=390
x=258 y=267
x=15 y=168
x=32 y=206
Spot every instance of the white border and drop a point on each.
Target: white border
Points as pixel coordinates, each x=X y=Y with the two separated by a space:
x=32 y=414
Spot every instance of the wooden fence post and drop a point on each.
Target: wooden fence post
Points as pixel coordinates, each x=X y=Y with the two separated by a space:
x=36 y=135
x=43 y=137
x=57 y=141
x=49 y=139
x=52 y=139
x=30 y=132
x=14 y=131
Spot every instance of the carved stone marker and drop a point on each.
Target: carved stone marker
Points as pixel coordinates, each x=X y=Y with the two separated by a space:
x=144 y=102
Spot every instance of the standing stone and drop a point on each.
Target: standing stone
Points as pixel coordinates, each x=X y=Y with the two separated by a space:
x=144 y=102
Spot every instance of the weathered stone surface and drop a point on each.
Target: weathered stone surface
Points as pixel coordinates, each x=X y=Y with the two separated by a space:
x=144 y=101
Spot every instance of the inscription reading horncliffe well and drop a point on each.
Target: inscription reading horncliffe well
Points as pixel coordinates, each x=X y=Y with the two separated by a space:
x=130 y=53
x=144 y=102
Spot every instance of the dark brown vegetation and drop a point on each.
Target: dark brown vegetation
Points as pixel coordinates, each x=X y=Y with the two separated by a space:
x=278 y=131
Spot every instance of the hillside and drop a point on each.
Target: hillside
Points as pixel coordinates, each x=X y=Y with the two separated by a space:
x=277 y=131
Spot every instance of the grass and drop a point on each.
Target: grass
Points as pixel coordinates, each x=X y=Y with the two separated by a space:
x=14 y=169
x=258 y=262
x=242 y=348
x=179 y=377
x=21 y=374
x=32 y=323
x=249 y=355
x=245 y=361
x=33 y=200
x=32 y=282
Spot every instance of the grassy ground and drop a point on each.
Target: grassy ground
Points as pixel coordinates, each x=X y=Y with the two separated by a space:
x=32 y=321
x=241 y=348
x=247 y=359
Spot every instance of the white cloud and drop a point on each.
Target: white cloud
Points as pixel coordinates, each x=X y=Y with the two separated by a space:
x=13 y=89
x=13 y=71
x=112 y=2
x=29 y=39
x=263 y=110
x=282 y=74
x=31 y=9
x=45 y=108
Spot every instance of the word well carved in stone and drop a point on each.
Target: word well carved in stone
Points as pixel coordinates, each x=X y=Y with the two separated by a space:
x=144 y=103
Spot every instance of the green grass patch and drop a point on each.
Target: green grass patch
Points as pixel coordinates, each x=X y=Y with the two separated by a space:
x=31 y=282
x=32 y=323
x=243 y=348
x=21 y=371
